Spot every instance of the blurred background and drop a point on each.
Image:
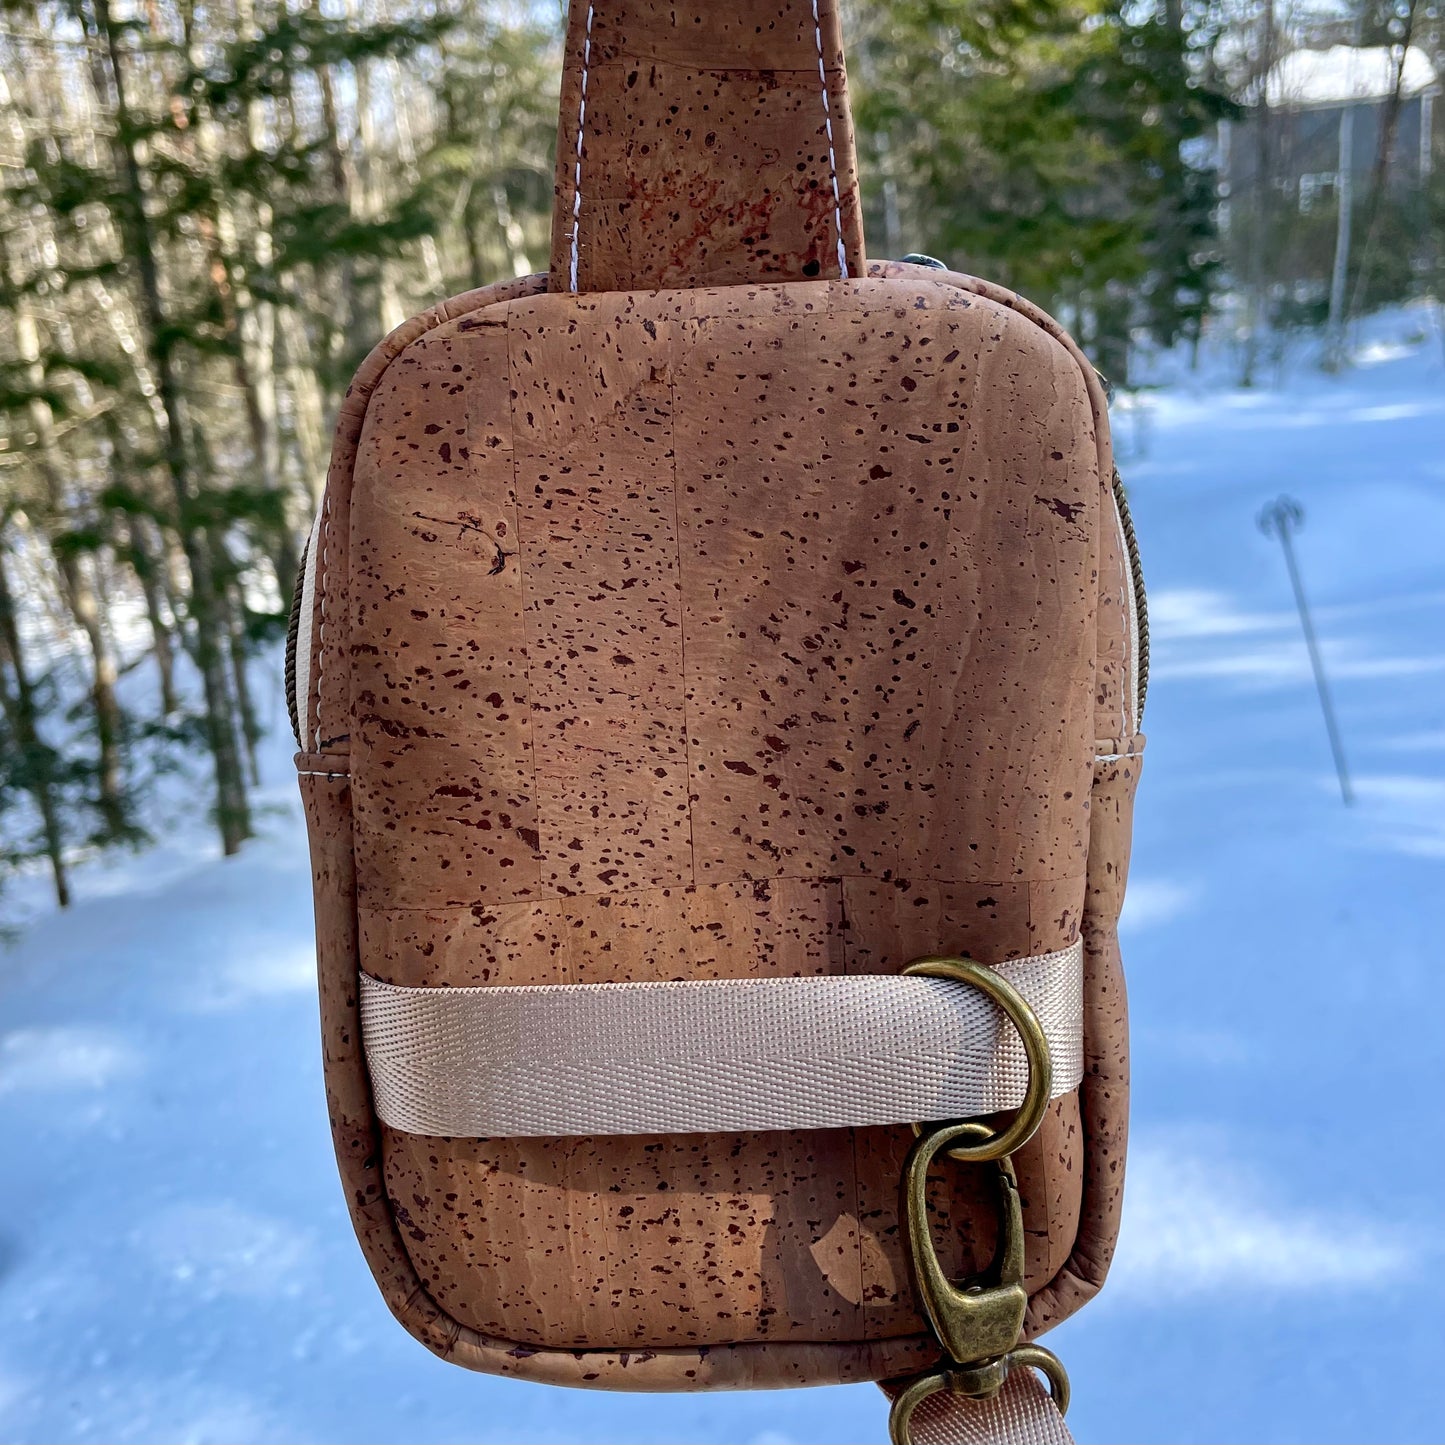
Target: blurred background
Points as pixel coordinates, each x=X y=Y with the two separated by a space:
x=208 y=215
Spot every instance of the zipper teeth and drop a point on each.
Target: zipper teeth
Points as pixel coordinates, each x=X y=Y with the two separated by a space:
x=293 y=632
x=1141 y=599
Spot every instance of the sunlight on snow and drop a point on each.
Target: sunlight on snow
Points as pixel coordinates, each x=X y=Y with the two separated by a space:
x=1408 y=812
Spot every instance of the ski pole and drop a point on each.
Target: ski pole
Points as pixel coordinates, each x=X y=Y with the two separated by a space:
x=1282 y=518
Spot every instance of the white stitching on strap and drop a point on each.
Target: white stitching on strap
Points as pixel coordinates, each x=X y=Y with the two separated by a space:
x=301 y=663
x=713 y=1055
x=581 y=119
x=832 y=157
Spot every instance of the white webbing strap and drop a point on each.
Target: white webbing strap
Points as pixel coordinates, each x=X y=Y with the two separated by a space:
x=1022 y=1413
x=711 y=1056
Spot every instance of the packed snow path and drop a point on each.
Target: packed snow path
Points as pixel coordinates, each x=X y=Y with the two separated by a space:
x=175 y=1258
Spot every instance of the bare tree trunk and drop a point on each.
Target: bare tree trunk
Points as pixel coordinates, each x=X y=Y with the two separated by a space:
x=85 y=606
x=250 y=322
x=507 y=223
x=1339 y=272
x=232 y=806
x=862 y=56
x=17 y=701
x=76 y=587
x=307 y=406
x=305 y=461
x=365 y=195
x=358 y=323
x=475 y=260
x=1257 y=287
x=1380 y=176
x=406 y=149
x=146 y=562
x=239 y=651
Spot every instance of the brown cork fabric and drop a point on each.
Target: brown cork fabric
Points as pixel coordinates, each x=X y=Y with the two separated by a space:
x=704 y=144
x=611 y=685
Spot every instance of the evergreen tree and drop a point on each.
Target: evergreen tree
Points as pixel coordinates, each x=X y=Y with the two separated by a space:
x=209 y=214
x=207 y=217
x=1046 y=144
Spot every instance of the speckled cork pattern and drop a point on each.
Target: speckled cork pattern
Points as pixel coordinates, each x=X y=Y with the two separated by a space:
x=713 y=632
x=665 y=626
x=704 y=144
x=667 y=697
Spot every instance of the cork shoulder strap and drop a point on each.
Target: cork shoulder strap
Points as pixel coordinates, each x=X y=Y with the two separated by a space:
x=702 y=144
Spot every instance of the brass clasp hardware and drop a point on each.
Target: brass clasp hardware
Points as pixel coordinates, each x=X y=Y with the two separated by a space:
x=989 y=1375
x=983 y=1317
x=1015 y=1008
x=978 y=1321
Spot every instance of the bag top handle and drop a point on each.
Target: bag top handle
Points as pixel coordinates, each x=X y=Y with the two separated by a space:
x=704 y=143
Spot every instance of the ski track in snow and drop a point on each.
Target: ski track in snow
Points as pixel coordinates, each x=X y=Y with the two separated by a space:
x=175 y=1258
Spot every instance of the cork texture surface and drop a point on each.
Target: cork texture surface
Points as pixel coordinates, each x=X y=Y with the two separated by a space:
x=704 y=144
x=717 y=633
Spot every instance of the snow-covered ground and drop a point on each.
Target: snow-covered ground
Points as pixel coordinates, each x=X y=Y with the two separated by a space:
x=175 y=1260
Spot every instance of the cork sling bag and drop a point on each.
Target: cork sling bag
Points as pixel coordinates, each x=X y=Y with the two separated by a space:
x=690 y=639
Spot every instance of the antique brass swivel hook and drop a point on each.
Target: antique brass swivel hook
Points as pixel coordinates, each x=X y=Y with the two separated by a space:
x=955 y=1382
x=977 y=1322
x=984 y=1315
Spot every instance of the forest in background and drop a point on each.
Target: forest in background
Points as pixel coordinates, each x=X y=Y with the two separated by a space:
x=209 y=214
